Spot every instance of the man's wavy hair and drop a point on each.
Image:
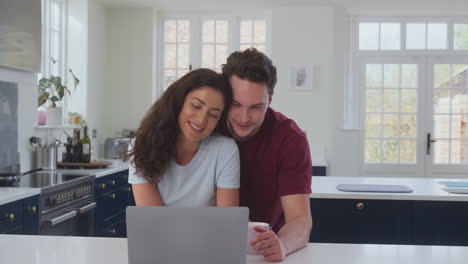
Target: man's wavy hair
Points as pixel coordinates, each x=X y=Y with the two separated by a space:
x=251 y=65
x=155 y=140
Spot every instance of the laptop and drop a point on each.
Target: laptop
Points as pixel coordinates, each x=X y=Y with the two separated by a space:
x=195 y=235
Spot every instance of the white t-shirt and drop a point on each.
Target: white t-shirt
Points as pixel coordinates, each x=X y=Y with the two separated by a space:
x=216 y=164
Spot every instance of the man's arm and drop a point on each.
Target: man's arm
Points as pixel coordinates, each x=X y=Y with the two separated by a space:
x=292 y=236
x=146 y=194
x=295 y=233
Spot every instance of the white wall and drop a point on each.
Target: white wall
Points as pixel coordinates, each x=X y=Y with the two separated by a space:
x=97 y=73
x=129 y=67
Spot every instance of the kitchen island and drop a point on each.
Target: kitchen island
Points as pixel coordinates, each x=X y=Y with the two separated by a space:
x=23 y=249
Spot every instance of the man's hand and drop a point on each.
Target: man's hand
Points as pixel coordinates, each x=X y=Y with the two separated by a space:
x=268 y=244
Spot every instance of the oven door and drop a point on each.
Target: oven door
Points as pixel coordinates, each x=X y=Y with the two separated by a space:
x=75 y=220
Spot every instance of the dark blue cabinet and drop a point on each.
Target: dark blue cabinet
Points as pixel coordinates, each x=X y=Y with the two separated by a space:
x=360 y=221
x=112 y=194
x=389 y=222
x=20 y=217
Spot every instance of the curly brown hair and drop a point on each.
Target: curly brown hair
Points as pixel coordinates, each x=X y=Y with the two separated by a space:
x=155 y=140
x=251 y=65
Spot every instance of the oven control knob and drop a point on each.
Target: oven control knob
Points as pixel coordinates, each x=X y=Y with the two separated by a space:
x=102 y=186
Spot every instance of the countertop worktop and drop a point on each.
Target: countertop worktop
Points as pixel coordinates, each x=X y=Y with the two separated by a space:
x=427 y=189
x=24 y=249
x=11 y=194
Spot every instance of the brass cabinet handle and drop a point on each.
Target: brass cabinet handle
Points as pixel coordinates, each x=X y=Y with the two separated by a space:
x=102 y=186
x=360 y=206
x=112 y=182
x=112 y=231
x=9 y=217
x=129 y=189
x=112 y=196
x=31 y=209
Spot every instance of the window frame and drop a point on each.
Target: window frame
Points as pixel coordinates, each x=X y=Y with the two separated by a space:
x=196 y=22
x=354 y=94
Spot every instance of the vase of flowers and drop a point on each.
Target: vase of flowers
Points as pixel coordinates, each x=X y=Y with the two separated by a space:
x=51 y=91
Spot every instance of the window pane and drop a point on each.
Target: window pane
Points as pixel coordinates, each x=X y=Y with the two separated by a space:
x=391 y=100
x=372 y=151
x=183 y=31
x=55 y=15
x=458 y=152
x=437 y=36
x=169 y=56
x=441 y=101
x=170 y=31
x=458 y=129
x=441 y=151
x=261 y=48
x=244 y=47
x=441 y=126
x=221 y=55
x=459 y=75
x=441 y=75
x=368 y=36
x=374 y=100
x=409 y=102
x=390 y=36
x=391 y=75
x=169 y=77
x=409 y=75
x=208 y=56
x=408 y=151
x=415 y=36
x=390 y=126
x=374 y=75
x=373 y=125
x=408 y=125
x=390 y=151
x=183 y=56
x=208 y=31
x=221 y=31
x=55 y=68
x=460 y=35
x=459 y=102
x=259 y=31
x=55 y=44
x=246 y=31
x=181 y=72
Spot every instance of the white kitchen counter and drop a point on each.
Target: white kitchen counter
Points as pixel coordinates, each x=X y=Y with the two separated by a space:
x=117 y=166
x=11 y=194
x=79 y=250
x=427 y=189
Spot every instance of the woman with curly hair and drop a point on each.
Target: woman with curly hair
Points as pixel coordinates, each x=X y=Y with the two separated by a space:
x=175 y=159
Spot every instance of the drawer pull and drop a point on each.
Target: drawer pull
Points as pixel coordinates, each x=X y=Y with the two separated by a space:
x=112 y=183
x=360 y=206
x=31 y=209
x=9 y=217
x=129 y=189
x=101 y=186
x=112 y=231
x=112 y=196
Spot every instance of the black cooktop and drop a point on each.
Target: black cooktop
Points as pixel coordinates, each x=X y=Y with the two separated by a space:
x=52 y=180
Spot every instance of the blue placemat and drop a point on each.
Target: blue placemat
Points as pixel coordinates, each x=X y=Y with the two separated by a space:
x=455 y=184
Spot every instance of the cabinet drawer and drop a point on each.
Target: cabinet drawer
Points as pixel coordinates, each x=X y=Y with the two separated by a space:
x=110 y=182
x=11 y=216
x=114 y=227
x=110 y=204
x=360 y=221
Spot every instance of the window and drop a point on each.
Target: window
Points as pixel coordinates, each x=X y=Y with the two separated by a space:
x=412 y=80
x=190 y=42
x=53 y=37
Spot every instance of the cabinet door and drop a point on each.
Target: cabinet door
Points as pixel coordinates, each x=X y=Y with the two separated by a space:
x=11 y=217
x=360 y=221
x=31 y=215
x=440 y=223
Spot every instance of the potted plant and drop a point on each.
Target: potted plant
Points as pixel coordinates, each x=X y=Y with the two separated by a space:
x=52 y=90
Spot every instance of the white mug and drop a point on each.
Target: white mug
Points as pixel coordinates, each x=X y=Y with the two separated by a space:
x=251 y=233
